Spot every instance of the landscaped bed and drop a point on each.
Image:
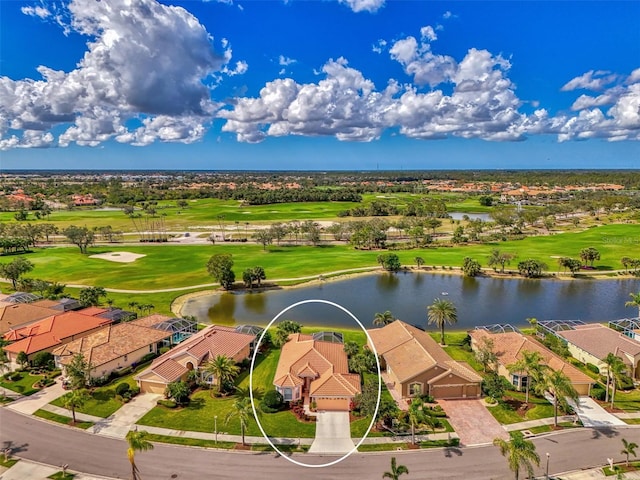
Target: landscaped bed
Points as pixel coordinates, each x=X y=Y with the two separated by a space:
x=513 y=409
x=23 y=386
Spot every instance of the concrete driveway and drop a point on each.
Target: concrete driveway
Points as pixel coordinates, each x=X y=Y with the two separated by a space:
x=333 y=433
x=591 y=414
x=28 y=405
x=119 y=424
x=472 y=421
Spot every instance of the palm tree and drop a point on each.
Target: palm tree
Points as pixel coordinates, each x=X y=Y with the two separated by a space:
x=520 y=453
x=74 y=400
x=559 y=385
x=416 y=416
x=138 y=442
x=242 y=410
x=396 y=470
x=382 y=319
x=618 y=370
x=629 y=449
x=442 y=312
x=610 y=360
x=531 y=364
x=223 y=368
x=419 y=262
x=634 y=302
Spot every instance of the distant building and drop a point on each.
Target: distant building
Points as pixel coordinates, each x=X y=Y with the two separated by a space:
x=84 y=200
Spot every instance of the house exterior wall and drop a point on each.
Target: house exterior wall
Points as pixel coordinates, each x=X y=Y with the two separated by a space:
x=423 y=378
x=120 y=362
x=586 y=357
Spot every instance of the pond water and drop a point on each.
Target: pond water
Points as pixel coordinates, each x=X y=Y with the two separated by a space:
x=480 y=301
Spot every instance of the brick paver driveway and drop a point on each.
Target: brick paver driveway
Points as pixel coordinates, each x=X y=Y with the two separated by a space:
x=472 y=421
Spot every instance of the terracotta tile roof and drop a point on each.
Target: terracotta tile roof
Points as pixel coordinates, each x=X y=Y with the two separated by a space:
x=410 y=351
x=110 y=343
x=51 y=331
x=207 y=344
x=325 y=362
x=17 y=315
x=599 y=341
x=46 y=303
x=93 y=311
x=509 y=346
x=151 y=320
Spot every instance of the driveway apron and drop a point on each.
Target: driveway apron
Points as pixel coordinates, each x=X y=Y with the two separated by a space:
x=472 y=421
x=593 y=415
x=119 y=424
x=333 y=433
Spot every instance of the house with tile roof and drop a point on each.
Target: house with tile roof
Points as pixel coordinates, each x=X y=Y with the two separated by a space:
x=591 y=343
x=50 y=332
x=193 y=354
x=316 y=371
x=414 y=364
x=113 y=347
x=509 y=347
x=17 y=315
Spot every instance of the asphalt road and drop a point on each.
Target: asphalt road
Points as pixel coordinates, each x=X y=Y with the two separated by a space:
x=55 y=445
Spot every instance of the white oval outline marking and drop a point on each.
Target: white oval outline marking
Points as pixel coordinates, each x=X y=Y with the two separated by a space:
x=253 y=360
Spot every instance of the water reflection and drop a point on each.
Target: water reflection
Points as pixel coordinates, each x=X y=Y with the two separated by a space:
x=480 y=301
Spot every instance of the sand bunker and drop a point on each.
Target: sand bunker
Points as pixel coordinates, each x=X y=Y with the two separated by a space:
x=122 y=257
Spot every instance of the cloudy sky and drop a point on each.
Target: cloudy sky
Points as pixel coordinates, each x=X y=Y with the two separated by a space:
x=331 y=84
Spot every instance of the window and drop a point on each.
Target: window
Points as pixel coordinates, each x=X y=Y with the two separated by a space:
x=515 y=380
x=523 y=382
x=150 y=348
x=125 y=358
x=415 y=389
x=287 y=394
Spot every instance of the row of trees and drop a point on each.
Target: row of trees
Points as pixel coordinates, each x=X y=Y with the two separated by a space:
x=220 y=267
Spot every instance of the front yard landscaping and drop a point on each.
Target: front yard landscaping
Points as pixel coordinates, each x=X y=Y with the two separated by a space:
x=24 y=385
x=511 y=408
x=54 y=417
x=103 y=401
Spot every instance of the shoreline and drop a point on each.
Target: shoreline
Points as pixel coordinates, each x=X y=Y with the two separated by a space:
x=178 y=303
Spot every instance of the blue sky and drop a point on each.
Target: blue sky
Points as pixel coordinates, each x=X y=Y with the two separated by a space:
x=334 y=84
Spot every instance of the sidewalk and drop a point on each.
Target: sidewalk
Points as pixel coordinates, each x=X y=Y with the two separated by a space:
x=119 y=424
x=29 y=405
x=38 y=471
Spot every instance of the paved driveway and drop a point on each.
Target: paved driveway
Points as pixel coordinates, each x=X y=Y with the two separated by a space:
x=28 y=405
x=472 y=421
x=591 y=414
x=333 y=433
x=119 y=424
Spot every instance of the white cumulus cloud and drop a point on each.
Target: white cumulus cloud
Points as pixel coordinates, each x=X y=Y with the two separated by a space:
x=370 y=6
x=591 y=80
x=143 y=59
x=285 y=61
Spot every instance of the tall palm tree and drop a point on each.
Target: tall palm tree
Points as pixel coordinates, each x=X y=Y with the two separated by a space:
x=520 y=453
x=559 y=385
x=634 y=302
x=629 y=449
x=396 y=470
x=609 y=361
x=382 y=319
x=138 y=442
x=416 y=416
x=242 y=410
x=617 y=370
x=74 y=400
x=442 y=312
x=531 y=364
x=223 y=368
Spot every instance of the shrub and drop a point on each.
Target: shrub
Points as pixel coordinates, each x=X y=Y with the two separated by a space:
x=598 y=393
x=148 y=356
x=43 y=360
x=273 y=400
x=122 y=388
x=164 y=350
x=427 y=398
x=15 y=376
x=167 y=403
x=593 y=368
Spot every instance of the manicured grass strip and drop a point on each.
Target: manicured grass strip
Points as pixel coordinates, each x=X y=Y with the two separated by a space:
x=62 y=476
x=629 y=401
x=632 y=421
x=24 y=386
x=54 y=417
x=549 y=428
x=8 y=463
x=633 y=466
x=385 y=447
x=192 y=442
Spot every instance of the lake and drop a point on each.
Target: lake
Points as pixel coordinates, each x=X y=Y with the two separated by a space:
x=480 y=301
x=485 y=217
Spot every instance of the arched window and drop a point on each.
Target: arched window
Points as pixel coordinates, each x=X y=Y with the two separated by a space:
x=415 y=389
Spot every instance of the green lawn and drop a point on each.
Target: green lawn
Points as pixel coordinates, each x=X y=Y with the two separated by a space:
x=61 y=476
x=193 y=442
x=186 y=264
x=538 y=408
x=103 y=399
x=54 y=417
x=628 y=401
x=24 y=386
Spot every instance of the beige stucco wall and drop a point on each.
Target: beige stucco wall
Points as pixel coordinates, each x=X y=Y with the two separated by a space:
x=120 y=362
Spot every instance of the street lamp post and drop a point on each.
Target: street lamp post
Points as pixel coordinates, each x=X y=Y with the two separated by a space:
x=215 y=419
x=547 y=469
